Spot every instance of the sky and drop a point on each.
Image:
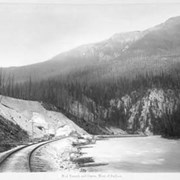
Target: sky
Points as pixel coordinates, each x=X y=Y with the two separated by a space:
x=33 y=31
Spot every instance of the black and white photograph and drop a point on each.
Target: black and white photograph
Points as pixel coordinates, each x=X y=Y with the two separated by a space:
x=89 y=88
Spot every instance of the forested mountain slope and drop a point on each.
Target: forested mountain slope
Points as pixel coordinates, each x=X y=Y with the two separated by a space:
x=127 y=83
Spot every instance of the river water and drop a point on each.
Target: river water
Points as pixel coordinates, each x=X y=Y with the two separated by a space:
x=132 y=154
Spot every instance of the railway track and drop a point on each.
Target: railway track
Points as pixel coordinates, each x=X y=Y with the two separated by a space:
x=20 y=159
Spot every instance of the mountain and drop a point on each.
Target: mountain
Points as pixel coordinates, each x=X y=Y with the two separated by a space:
x=81 y=57
x=154 y=48
x=111 y=87
x=162 y=39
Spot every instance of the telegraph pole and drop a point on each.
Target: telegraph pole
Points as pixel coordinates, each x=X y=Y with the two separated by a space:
x=32 y=127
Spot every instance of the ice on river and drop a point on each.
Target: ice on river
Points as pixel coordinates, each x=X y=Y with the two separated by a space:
x=133 y=154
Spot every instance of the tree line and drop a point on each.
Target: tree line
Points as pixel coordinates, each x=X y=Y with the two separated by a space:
x=63 y=90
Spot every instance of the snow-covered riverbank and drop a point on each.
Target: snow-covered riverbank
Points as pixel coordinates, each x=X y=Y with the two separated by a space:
x=132 y=154
x=58 y=156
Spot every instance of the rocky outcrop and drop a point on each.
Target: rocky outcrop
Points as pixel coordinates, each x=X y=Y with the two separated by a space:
x=154 y=111
x=91 y=117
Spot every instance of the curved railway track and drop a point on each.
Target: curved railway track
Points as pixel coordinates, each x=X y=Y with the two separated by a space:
x=20 y=159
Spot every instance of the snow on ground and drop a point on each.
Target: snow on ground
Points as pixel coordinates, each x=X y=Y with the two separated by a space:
x=35 y=119
x=56 y=156
x=38 y=122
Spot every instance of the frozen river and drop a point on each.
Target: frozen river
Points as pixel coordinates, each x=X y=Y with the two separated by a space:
x=132 y=154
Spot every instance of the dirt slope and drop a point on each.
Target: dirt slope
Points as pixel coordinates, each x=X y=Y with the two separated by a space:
x=33 y=118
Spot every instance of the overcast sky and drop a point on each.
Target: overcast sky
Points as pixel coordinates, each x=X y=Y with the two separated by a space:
x=37 y=31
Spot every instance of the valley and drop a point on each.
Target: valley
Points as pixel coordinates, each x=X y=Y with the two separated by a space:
x=128 y=83
x=110 y=106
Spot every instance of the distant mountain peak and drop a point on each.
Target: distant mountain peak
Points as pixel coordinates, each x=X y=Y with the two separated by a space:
x=173 y=20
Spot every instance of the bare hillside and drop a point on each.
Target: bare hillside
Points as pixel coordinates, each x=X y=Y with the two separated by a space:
x=34 y=119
